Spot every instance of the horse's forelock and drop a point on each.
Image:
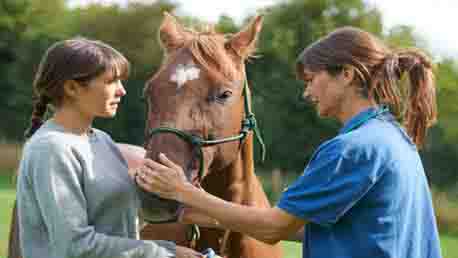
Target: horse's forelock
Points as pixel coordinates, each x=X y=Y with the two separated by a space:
x=208 y=49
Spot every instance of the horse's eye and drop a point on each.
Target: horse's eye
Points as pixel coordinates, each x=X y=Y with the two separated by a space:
x=224 y=96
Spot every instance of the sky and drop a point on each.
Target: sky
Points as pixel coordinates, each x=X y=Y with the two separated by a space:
x=435 y=21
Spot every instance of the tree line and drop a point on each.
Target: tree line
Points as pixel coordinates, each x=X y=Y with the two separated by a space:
x=290 y=127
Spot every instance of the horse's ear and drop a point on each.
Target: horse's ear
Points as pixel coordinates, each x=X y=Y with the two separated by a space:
x=172 y=35
x=244 y=42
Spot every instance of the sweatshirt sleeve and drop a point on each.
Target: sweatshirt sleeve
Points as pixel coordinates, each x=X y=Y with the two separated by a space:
x=56 y=176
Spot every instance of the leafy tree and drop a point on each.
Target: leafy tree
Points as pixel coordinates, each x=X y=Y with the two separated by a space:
x=290 y=126
x=27 y=27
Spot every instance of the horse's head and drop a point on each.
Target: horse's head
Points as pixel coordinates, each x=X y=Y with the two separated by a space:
x=198 y=91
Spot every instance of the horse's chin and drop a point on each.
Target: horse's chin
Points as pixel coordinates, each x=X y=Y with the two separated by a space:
x=159 y=210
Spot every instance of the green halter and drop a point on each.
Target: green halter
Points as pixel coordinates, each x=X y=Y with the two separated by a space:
x=248 y=124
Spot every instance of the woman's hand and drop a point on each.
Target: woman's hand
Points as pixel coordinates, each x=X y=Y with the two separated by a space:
x=184 y=252
x=166 y=178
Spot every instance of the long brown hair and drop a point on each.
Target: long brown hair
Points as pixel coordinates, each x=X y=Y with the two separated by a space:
x=402 y=79
x=76 y=59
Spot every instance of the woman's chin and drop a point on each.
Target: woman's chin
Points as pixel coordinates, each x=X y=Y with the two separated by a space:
x=109 y=113
x=323 y=113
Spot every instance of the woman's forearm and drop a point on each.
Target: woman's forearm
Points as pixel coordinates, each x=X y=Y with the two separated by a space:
x=260 y=223
x=192 y=216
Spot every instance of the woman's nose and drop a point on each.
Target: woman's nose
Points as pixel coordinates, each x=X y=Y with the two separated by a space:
x=306 y=94
x=121 y=91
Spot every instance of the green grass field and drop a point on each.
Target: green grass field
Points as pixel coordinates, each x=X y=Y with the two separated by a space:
x=292 y=250
x=7 y=195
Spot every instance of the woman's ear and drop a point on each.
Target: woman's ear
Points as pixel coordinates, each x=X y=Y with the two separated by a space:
x=348 y=74
x=71 y=89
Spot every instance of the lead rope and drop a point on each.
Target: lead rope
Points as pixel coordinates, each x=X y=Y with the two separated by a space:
x=223 y=247
x=194 y=236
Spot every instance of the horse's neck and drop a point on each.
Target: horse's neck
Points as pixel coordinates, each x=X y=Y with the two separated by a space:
x=241 y=183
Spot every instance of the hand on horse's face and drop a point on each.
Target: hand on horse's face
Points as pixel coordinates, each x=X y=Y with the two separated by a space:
x=165 y=179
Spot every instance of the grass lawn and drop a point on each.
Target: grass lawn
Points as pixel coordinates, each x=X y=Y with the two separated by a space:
x=292 y=250
x=7 y=195
x=449 y=245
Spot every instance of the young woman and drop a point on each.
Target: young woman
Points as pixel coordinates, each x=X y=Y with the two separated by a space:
x=364 y=193
x=75 y=197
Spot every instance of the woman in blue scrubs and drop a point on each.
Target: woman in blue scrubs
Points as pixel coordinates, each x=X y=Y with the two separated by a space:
x=364 y=193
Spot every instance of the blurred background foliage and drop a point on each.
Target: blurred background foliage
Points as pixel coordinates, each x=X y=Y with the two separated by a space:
x=290 y=127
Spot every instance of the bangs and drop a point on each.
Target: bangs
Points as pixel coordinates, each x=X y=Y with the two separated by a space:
x=313 y=58
x=303 y=62
x=92 y=58
x=117 y=65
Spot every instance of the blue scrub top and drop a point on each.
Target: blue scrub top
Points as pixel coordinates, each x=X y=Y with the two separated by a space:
x=364 y=194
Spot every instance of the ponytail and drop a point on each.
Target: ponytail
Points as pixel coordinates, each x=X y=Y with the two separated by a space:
x=40 y=107
x=421 y=110
x=405 y=82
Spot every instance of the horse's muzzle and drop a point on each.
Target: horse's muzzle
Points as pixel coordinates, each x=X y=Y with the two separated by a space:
x=155 y=209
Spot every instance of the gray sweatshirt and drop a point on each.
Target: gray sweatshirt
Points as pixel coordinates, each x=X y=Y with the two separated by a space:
x=75 y=199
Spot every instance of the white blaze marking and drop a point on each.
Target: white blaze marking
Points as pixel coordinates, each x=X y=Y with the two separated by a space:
x=184 y=73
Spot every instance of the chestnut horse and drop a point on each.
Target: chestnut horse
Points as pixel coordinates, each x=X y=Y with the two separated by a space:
x=198 y=114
